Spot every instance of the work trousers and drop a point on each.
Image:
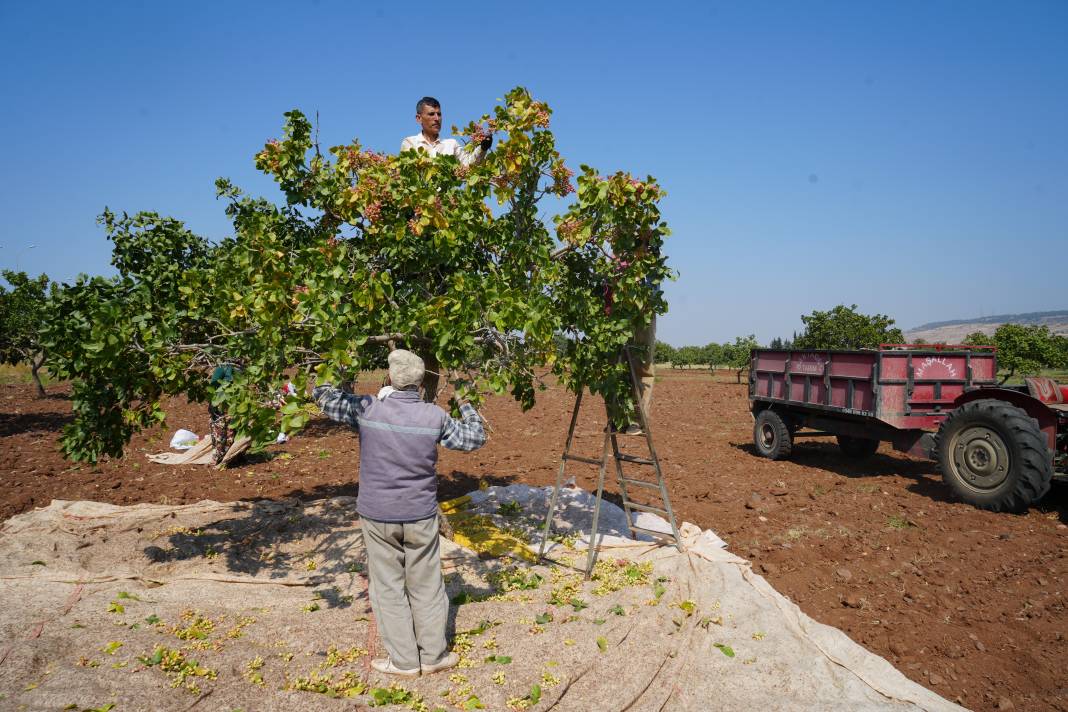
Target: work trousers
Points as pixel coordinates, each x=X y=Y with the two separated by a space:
x=644 y=362
x=407 y=590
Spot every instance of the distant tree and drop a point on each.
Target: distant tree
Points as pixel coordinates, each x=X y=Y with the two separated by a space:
x=22 y=312
x=712 y=354
x=776 y=343
x=978 y=338
x=665 y=353
x=688 y=356
x=1027 y=349
x=845 y=328
x=736 y=355
x=919 y=340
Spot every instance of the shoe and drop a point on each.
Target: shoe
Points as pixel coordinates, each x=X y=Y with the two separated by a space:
x=634 y=429
x=449 y=661
x=386 y=665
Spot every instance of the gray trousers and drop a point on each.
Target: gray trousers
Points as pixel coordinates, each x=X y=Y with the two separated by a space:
x=645 y=363
x=407 y=590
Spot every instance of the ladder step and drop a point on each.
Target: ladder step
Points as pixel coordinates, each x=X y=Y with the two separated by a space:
x=587 y=460
x=635 y=460
x=644 y=507
x=654 y=532
x=641 y=483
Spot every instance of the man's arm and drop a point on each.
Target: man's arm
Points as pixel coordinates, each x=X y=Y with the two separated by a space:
x=406 y=144
x=471 y=156
x=465 y=434
x=338 y=405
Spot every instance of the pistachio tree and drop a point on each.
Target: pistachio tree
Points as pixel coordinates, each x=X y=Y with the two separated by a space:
x=368 y=251
x=22 y=311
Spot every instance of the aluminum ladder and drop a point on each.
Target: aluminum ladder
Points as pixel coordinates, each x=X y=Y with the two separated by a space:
x=611 y=450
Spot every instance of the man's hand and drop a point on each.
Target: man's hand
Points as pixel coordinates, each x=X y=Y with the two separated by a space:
x=461 y=386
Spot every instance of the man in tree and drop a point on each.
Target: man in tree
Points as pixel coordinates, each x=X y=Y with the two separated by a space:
x=397 y=503
x=428 y=115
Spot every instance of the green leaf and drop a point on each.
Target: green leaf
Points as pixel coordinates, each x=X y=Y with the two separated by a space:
x=543 y=618
x=725 y=649
x=473 y=703
x=155 y=659
x=602 y=643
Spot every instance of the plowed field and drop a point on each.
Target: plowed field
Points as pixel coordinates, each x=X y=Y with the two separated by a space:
x=969 y=603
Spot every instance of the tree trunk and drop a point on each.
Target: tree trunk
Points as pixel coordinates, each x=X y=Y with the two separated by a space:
x=1009 y=375
x=431 y=379
x=35 y=366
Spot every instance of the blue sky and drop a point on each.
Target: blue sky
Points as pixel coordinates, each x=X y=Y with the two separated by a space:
x=909 y=157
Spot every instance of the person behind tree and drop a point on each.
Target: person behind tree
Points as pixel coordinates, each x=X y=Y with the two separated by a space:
x=642 y=347
x=397 y=502
x=428 y=116
x=222 y=437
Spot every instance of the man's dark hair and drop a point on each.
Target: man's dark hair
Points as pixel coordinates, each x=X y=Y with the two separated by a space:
x=426 y=101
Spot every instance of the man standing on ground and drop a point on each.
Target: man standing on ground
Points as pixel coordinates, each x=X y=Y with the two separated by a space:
x=428 y=115
x=398 y=506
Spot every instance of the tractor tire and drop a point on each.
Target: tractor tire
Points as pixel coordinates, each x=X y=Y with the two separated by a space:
x=993 y=455
x=772 y=436
x=857 y=448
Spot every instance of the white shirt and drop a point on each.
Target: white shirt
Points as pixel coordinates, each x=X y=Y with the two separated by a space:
x=443 y=147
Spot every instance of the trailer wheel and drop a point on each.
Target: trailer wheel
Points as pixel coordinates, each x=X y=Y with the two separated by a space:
x=858 y=448
x=772 y=436
x=993 y=455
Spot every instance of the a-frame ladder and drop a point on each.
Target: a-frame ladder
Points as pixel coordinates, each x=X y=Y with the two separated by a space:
x=611 y=450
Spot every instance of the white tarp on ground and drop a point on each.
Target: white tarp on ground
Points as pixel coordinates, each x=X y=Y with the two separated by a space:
x=258 y=593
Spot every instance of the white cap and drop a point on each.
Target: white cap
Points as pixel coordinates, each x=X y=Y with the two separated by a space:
x=405 y=369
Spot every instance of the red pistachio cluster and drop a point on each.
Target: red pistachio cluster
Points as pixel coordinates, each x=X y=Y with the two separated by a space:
x=541 y=115
x=480 y=133
x=373 y=212
x=569 y=229
x=562 y=184
x=269 y=155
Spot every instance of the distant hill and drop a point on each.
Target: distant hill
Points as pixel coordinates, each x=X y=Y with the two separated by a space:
x=954 y=331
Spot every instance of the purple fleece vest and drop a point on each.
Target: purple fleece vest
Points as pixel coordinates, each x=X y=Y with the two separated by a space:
x=398 y=458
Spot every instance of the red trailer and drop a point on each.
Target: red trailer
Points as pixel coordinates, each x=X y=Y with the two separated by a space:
x=998 y=448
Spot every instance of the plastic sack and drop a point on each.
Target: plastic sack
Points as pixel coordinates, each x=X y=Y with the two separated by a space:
x=184 y=439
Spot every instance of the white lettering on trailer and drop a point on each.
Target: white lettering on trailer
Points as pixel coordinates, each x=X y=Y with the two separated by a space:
x=950 y=370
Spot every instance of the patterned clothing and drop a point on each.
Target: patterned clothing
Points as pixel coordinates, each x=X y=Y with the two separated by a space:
x=221 y=435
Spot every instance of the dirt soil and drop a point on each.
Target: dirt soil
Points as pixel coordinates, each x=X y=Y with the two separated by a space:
x=968 y=603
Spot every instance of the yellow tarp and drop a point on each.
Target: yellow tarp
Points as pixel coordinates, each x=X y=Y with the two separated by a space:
x=478 y=532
